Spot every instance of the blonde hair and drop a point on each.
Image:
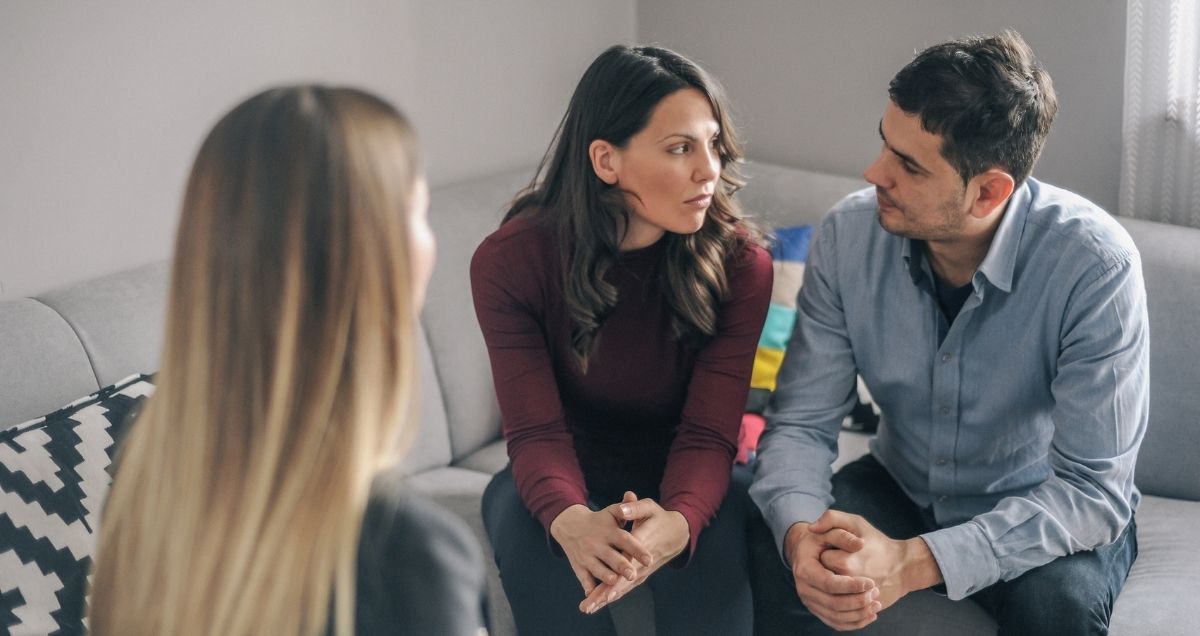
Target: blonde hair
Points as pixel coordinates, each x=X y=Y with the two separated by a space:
x=286 y=380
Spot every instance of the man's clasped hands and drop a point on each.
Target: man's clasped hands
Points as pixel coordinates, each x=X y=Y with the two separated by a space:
x=846 y=571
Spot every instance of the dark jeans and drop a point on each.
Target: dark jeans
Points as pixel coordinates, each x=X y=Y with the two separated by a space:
x=711 y=595
x=1070 y=595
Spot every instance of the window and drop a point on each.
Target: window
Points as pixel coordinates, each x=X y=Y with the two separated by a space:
x=1160 y=164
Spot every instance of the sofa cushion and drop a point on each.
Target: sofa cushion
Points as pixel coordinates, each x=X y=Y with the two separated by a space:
x=43 y=365
x=1157 y=595
x=490 y=459
x=53 y=480
x=118 y=318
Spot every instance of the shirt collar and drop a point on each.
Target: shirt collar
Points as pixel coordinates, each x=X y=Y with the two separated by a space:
x=1001 y=259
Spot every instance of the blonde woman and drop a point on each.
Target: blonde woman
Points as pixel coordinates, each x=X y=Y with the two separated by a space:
x=252 y=496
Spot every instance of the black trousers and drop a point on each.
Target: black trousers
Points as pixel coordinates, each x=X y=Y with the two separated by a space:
x=710 y=595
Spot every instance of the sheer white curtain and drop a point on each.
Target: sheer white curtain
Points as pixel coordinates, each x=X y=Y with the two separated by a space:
x=1160 y=171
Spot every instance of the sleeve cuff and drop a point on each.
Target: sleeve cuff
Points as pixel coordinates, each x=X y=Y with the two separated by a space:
x=786 y=510
x=966 y=558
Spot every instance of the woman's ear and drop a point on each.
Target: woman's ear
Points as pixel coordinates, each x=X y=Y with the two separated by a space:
x=606 y=162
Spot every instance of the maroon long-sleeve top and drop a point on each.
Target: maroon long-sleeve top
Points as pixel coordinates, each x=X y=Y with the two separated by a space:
x=651 y=415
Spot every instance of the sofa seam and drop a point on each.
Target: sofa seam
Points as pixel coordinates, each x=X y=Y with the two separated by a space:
x=78 y=338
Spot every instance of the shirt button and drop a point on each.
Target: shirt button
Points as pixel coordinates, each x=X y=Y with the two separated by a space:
x=945 y=357
x=945 y=410
x=942 y=462
x=942 y=499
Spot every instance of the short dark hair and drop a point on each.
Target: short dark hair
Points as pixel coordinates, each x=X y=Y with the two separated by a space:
x=988 y=97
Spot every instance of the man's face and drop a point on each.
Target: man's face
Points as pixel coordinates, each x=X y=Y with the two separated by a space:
x=920 y=195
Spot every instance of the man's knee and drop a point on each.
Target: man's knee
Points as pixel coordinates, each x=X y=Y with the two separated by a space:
x=1066 y=596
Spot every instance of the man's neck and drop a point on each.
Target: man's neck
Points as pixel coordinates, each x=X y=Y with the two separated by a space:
x=955 y=262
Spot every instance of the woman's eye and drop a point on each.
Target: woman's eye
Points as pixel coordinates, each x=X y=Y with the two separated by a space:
x=678 y=150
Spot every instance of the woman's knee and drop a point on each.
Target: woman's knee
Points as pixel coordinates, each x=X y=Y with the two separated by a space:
x=509 y=524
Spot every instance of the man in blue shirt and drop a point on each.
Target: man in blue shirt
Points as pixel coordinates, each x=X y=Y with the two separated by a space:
x=1000 y=324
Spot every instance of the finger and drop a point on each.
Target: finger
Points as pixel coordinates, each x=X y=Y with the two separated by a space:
x=629 y=497
x=618 y=563
x=855 y=619
x=632 y=547
x=632 y=510
x=592 y=602
x=819 y=577
x=605 y=595
x=842 y=540
x=835 y=561
x=584 y=577
x=835 y=603
x=600 y=570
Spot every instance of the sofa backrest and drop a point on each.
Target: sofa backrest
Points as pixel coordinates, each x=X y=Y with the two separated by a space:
x=461 y=216
x=42 y=363
x=64 y=344
x=1167 y=464
x=777 y=196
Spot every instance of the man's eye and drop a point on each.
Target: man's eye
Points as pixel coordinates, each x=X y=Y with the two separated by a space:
x=908 y=167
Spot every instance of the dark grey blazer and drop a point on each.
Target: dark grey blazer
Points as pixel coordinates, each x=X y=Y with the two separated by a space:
x=420 y=570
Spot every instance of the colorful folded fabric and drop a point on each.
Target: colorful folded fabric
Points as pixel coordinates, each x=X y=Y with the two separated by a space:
x=789 y=250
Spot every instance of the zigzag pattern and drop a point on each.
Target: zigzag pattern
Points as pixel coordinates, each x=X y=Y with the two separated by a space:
x=53 y=480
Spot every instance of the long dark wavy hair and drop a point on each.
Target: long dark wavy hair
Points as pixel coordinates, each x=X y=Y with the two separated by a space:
x=613 y=102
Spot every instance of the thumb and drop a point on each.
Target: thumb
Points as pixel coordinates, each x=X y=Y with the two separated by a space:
x=826 y=522
x=633 y=509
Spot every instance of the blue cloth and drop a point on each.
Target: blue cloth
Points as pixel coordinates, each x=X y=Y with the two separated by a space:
x=1019 y=431
x=791 y=243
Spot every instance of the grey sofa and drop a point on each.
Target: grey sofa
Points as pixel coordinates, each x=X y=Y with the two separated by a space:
x=66 y=343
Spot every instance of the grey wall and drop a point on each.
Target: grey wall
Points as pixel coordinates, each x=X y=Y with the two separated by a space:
x=809 y=79
x=103 y=104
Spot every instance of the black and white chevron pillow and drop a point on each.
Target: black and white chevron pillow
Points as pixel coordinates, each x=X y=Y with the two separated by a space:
x=54 y=476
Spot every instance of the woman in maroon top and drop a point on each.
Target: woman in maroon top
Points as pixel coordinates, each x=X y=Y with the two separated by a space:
x=621 y=301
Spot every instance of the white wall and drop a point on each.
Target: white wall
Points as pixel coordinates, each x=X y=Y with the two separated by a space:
x=103 y=104
x=809 y=79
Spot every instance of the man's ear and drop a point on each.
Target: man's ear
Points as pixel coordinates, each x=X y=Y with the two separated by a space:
x=995 y=186
x=606 y=161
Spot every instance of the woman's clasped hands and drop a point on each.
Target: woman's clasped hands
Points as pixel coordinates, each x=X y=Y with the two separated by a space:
x=609 y=560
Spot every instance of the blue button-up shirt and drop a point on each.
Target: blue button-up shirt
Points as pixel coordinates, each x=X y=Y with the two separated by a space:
x=1019 y=431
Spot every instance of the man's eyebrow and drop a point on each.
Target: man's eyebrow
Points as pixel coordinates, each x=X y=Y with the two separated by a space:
x=903 y=156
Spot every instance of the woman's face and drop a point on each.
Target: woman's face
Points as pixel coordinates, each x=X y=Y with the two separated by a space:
x=669 y=169
x=422 y=246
